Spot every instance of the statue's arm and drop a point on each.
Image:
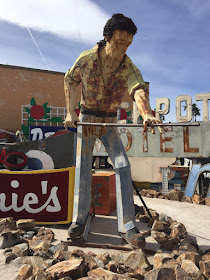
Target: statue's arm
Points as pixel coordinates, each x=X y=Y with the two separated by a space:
x=143 y=105
x=71 y=117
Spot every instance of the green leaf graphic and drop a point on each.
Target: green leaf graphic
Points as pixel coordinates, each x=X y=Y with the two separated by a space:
x=45 y=105
x=46 y=117
x=27 y=109
x=25 y=130
x=43 y=121
x=47 y=110
x=56 y=119
x=31 y=120
x=33 y=102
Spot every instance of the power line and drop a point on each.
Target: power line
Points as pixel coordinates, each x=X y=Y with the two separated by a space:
x=38 y=48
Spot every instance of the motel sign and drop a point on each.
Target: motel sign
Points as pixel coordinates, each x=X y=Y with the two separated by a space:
x=184 y=141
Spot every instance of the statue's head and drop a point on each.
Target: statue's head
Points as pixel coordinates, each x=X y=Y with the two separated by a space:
x=118 y=22
x=118 y=34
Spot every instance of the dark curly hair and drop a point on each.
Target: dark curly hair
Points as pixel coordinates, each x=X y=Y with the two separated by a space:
x=117 y=22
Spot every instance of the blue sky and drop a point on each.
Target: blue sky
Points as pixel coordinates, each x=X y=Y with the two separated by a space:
x=171 y=47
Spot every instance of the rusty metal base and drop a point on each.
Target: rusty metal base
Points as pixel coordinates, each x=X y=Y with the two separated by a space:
x=81 y=243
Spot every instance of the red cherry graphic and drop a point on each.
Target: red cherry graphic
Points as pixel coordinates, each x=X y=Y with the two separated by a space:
x=123 y=115
x=37 y=112
x=77 y=111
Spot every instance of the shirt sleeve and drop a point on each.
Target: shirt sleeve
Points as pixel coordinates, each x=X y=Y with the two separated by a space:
x=73 y=75
x=135 y=80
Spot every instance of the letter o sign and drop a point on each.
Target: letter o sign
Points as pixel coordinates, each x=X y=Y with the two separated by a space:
x=188 y=100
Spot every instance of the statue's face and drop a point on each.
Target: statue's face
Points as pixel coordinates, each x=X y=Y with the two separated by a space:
x=120 y=41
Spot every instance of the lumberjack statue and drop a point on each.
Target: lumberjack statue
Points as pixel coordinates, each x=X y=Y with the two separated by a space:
x=106 y=74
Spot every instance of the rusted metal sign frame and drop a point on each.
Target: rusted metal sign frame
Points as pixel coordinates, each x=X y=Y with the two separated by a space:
x=177 y=141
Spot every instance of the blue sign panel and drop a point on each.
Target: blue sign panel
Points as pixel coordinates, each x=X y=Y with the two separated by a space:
x=41 y=132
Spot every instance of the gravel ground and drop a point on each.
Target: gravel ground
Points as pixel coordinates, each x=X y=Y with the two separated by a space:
x=103 y=229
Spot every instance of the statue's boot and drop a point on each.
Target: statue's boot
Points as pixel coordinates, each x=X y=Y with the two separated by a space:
x=76 y=230
x=134 y=238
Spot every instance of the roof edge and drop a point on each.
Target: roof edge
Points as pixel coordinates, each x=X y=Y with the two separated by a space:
x=31 y=69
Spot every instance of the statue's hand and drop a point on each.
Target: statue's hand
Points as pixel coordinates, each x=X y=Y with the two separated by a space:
x=71 y=120
x=149 y=119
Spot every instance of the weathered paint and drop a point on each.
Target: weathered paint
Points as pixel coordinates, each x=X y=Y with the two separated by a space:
x=129 y=137
x=104 y=191
x=86 y=136
x=61 y=149
x=204 y=97
x=188 y=100
x=46 y=160
x=166 y=108
x=142 y=101
x=165 y=102
x=101 y=91
x=147 y=169
x=145 y=142
x=187 y=148
x=163 y=140
x=190 y=142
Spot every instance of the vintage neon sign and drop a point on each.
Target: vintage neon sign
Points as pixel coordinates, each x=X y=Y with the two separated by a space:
x=163 y=106
x=31 y=199
x=5 y=159
x=43 y=195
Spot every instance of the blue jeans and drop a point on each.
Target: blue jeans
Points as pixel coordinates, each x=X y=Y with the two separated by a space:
x=110 y=137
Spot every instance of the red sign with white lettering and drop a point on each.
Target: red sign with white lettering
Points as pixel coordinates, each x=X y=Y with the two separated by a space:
x=46 y=196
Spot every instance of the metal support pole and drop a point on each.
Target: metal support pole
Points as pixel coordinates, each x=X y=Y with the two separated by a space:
x=139 y=195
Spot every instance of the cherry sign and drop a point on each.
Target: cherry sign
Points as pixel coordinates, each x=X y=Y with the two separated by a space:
x=46 y=196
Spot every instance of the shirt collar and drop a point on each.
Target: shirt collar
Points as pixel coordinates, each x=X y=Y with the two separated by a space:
x=100 y=65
